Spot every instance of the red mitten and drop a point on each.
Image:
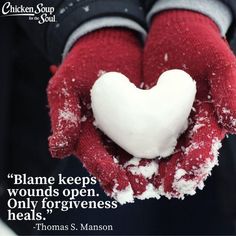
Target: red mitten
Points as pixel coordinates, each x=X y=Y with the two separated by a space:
x=190 y=41
x=70 y=110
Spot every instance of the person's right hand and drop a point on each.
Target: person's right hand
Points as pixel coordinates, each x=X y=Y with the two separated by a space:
x=111 y=49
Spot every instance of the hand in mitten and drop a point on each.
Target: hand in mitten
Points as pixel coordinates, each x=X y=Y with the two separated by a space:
x=70 y=110
x=190 y=41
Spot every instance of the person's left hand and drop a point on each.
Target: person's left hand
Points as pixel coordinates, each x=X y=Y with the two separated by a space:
x=192 y=42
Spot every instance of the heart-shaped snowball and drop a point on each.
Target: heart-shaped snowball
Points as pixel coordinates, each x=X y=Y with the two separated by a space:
x=145 y=123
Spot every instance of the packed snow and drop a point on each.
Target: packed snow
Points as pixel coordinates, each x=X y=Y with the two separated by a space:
x=145 y=123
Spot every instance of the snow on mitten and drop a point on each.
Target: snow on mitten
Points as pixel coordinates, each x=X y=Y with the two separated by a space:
x=110 y=49
x=180 y=39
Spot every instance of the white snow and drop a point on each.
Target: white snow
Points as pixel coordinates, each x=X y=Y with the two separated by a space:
x=123 y=196
x=68 y=116
x=197 y=126
x=216 y=145
x=62 y=10
x=115 y=160
x=127 y=195
x=65 y=92
x=133 y=161
x=147 y=171
x=145 y=123
x=179 y=173
x=233 y=122
x=86 y=8
x=83 y=119
x=141 y=85
x=228 y=115
x=101 y=72
x=225 y=110
x=166 y=57
x=181 y=185
x=184 y=186
x=188 y=187
x=193 y=146
x=161 y=192
x=150 y=192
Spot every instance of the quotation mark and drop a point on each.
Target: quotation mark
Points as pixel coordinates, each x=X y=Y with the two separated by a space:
x=49 y=211
x=10 y=176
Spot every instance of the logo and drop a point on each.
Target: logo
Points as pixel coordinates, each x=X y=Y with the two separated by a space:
x=40 y=13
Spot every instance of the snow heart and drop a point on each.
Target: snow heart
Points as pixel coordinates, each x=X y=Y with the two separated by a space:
x=145 y=123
